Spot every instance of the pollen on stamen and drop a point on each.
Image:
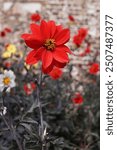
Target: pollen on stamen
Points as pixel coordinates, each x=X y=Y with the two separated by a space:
x=50 y=44
x=6 y=81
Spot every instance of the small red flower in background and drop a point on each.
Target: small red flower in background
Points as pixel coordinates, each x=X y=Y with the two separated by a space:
x=29 y=88
x=94 y=68
x=78 y=99
x=87 y=51
x=35 y=17
x=79 y=38
x=7 y=64
x=2 y=34
x=56 y=73
x=7 y=30
x=48 y=43
x=71 y=18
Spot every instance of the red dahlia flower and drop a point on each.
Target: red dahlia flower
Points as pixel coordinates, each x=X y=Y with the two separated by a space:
x=79 y=38
x=2 y=34
x=71 y=18
x=8 y=30
x=94 y=68
x=78 y=99
x=48 y=43
x=7 y=64
x=35 y=17
x=56 y=73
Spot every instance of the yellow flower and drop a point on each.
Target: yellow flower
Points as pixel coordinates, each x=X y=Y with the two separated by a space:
x=35 y=66
x=9 y=51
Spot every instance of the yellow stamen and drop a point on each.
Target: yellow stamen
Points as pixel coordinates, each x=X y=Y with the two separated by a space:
x=50 y=44
x=6 y=80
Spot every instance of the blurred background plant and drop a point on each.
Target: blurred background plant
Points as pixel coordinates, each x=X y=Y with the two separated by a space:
x=70 y=97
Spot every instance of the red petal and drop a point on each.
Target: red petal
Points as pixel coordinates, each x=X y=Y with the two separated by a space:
x=52 y=26
x=65 y=48
x=60 y=55
x=47 y=58
x=25 y=36
x=31 y=59
x=39 y=53
x=49 y=69
x=59 y=28
x=56 y=73
x=32 y=41
x=45 y=30
x=35 y=28
x=58 y=64
x=62 y=37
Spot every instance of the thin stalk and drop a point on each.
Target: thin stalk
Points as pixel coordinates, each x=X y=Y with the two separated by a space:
x=39 y=84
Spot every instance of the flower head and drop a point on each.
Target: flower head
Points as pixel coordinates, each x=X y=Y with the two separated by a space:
x=78 y=99
x=7 y=80
x=48 y=43
x=29 y=88
x=7 y=64
x=71 y=18
x=2 y=34
x=35 y=17
x=94 y=68
x=79 y=38
x=9 y=51
x=56 y=73
x=8 y=30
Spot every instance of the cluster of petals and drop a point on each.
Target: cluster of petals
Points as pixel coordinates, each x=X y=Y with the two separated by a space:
x=48 y=43
x=56 y=73
x=10 y=49
x=71 y=18
x=35 y=17
x=80 y=36
x=7 y=80
x=29 y=87
x=4 y=32
x=78 y=99
x=94 y=69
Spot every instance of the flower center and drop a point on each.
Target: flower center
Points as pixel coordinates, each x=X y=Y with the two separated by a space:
x=6 y=80
x=50 y=44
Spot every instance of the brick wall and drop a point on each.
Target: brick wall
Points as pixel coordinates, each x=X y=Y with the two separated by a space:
x=86 y=13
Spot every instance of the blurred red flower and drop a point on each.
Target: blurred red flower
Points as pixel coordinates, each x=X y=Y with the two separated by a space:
x=2 y=34
x=88 y=49
x=79 y=38
x=35 y=17
x=71 y=18
x=7 y=30
x=7 y=64
x=56 y=73
x=48 y=43
x=78 y=99
x=29 y=88
x=94 y=68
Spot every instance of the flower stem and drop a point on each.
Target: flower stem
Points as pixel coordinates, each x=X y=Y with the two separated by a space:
x=39 y=89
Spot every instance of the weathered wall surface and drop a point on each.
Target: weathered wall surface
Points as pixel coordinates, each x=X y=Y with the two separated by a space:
x=86 y=13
